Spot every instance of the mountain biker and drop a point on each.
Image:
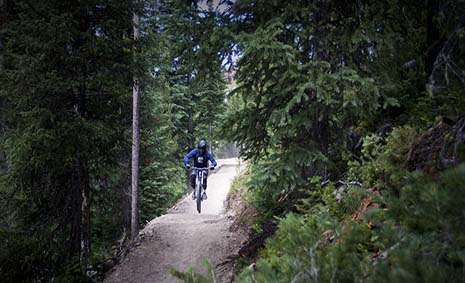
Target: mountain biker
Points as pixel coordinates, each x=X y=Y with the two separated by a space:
x=201 y=157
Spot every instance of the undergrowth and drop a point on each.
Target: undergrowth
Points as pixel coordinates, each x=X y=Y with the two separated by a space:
x=399 y=226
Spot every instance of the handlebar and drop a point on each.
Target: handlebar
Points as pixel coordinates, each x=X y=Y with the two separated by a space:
x=198 y=168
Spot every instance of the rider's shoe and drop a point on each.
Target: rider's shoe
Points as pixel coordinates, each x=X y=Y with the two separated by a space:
x=204 y=196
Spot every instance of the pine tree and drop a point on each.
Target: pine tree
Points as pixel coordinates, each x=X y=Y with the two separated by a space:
x=65 y=79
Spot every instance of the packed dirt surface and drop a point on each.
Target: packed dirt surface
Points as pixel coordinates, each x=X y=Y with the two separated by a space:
x=183 y=238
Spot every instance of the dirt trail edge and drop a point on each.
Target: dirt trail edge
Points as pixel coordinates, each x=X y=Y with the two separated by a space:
x=183 y=238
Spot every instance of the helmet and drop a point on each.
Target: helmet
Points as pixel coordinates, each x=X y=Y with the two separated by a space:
x=202 y=146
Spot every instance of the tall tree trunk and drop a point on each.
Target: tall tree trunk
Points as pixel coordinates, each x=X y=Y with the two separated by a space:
x=80 y=243
x=190 y=129
x=210 y=131
x=83 y=180
x=135 y=141
x=75 y=210
x=81 y=162
x=190 y=136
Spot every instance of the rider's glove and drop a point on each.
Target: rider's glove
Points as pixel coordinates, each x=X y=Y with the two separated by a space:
x=188 y=166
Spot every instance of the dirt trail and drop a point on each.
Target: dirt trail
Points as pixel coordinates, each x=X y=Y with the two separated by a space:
x=183 y=238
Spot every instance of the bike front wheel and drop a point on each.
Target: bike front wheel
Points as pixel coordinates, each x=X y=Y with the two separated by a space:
x=198 y=198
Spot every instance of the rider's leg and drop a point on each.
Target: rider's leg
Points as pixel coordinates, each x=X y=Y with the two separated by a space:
x=205 y=181
x=192 y=179
x=204 y=195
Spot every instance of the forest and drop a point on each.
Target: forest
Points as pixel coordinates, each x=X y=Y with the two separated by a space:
x=350 y=116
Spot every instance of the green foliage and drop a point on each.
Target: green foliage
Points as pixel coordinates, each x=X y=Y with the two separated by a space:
x=431 y=212
x=306 y=76
x=273 y=181
x=380 y=160
x=435 y=205
x=183 y=98
x=162 y=182
x=301 y=79
x=191 y=276
x=324 y=196
x=192 y=70
x=300 y=252
x=66 y=74
x=71 y=271
x=420 y=232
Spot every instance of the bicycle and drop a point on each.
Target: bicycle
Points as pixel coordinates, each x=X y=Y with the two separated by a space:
x=199 y=190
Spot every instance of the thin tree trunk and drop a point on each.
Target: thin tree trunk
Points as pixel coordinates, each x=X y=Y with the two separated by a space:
x=135 y=142
x=210 y=132
x=81 y=168
x=190 y=136
x=76 y=214
x=80 y=243
x=84 y=188
x=190 y=129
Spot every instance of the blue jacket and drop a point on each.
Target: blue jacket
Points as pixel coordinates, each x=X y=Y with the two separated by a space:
x=200 y=161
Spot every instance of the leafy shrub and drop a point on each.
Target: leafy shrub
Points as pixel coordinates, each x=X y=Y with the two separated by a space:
x=324 y=196
x=381 y=160
x=419 y=238
x=314 y=248
x=274 y=180
x=417 y=233
x=192 y=276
